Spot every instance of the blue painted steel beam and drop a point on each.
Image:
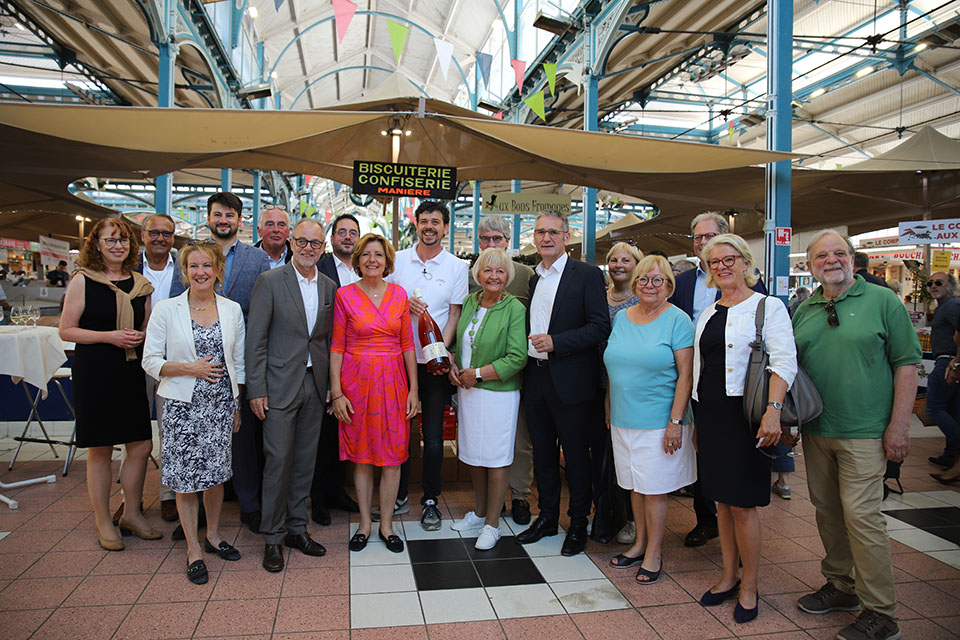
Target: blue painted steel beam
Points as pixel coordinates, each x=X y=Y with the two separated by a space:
x=590 y=123
x=165 y=95
x=517 y=219
x=779 y=138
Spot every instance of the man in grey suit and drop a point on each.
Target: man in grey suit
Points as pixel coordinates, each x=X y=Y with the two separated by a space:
x=243 y=264
x=287 y=361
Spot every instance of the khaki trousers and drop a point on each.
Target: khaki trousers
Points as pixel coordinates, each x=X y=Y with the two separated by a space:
x=521 y=470
x=845 y=476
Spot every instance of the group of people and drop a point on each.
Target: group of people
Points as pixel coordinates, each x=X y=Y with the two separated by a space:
x=263 y=354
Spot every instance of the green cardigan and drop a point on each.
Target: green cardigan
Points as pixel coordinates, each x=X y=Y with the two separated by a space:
x=501 y=340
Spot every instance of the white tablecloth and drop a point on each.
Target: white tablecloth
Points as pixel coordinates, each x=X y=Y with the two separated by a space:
x=31 y=353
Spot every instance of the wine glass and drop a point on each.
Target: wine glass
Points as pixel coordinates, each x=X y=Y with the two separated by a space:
x=34 y=313
x=16 y=315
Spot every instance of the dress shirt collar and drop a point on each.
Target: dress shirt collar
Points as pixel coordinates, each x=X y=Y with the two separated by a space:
x=415 y=257
x=304 y=280
x=556 y=267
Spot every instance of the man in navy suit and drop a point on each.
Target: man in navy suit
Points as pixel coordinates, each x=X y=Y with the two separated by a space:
x=693 y=296
x=567 y=320
x=243 y=264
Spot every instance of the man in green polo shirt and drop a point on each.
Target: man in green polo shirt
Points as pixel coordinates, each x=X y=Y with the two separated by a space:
x=856 y=342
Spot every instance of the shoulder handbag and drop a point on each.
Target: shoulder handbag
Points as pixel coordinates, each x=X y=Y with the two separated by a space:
x=802 y=402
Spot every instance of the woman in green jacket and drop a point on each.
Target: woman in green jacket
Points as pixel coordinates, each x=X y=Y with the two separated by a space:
x=490 y=353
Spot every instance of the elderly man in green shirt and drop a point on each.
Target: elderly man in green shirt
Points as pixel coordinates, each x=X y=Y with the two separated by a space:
x=857 y=344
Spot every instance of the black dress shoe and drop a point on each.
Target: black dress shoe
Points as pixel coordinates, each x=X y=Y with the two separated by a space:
x=225 y=550
x=575 y=541
x=273 y=558
x=344 y=503
x=520 y=510
x=197 y=572
x=539 y=529
x=700 y=535
x=320 y=515
x=393 y=542
x=251 y=519
x=944 y=461
x=358 y=542
x=306 y=544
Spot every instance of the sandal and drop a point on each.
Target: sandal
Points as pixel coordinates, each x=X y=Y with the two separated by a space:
x=225 y=550
x=623 y=561
x=358 y=542
x=651 y=576
x=197 y=572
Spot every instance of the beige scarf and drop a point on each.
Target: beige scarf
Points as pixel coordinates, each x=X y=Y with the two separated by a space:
x=141 y=287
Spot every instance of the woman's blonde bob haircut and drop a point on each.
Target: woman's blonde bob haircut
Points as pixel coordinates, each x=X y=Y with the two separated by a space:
x=208 y=248
x=739 y=245
x=493 y=257
x=646 y=265
x=388 y=253
x=634 y=253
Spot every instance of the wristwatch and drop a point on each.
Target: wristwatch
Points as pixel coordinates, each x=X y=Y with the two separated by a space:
x=478 y=376
x=676 y=421
x=776 y=405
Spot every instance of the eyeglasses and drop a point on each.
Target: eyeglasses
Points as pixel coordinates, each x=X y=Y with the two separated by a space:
x=343 y=233
x=553 y=233
x=656 y=281
x=194 y=243
x=269 y=207
x=154 y=233
x=832 y=318
x=702 y=237
x=937 y=283
x=491 y=239
x=314 y=244
x=112 y=242
x=727 y=261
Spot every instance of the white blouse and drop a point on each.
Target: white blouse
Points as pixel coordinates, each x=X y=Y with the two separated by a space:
x=739 y=333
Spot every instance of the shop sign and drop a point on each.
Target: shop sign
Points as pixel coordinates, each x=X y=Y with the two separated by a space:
x=10 y=243
x=916 y=254
x=889 y=241
x=930 y=231
x=509 y=203
x=398 y=179
x=53 y=251
x=784 y=235
x=941 y=260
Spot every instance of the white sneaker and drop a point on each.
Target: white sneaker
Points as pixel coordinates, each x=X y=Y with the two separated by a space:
x=488 y=538
x=628 y=533
x=469 y=521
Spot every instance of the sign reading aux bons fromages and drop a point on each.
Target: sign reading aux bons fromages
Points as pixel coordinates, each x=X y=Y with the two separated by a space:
x=508 y=203
x=412 y=180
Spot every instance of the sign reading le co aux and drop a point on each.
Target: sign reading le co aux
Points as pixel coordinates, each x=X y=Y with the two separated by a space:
x=397 y=179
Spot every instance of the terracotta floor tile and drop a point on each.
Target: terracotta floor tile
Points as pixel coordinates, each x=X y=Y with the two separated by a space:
x=417 y=632
x=329 y=581
x=485 y=629
x=14 y=564
x=176 y=562
x=926 y=599
x=247 y=585
x=607 y=625
x=251 y=559
x=665 y=591
x=342 y=634
x=155 y=621
x=922 y=566
x=172 y=587
x=55 y=521
x=785 y=550
x=71 y=623
x=12 y=520
x=948 y=586
x=951 y=623
x=107 y=590
x=20 y=625
x=774 y=579
x=768 y=620
x=65 y=563
x=227 y=616
x=83 y=538
x=37 y=593
x=314 y=613
x=337 y=556
x=537 y=628
x=130 y=561
x=682 y=621
x=30 y=541
x=926 y=629
x=786 y=604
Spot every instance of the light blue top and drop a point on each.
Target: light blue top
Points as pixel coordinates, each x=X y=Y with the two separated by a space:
x=642 y=369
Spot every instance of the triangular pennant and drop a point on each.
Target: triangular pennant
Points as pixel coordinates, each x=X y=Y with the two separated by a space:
x=336 y=188
x=444 y=54
x=277 y=4
x=484 y=61
x=535 y=102
x=398 y=37
x=551 y=69
x=519 y=68
x=409 y=212
x=343 y=11
x=574 y=74
x=327 y=215
x=498 y=115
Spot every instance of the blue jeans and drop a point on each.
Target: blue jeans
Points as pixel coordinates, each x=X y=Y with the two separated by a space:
x=943 y=405
x=783 y=464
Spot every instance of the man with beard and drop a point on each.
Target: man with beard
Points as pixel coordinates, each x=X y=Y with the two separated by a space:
x=274 y=230
x=441 y=278
x=330 y=474
x=243 y=264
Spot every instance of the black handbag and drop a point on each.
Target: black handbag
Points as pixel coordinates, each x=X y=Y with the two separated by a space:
x=802 y=402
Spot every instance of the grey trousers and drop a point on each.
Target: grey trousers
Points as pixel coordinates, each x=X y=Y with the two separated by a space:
x=521 y=471
x=290 y=437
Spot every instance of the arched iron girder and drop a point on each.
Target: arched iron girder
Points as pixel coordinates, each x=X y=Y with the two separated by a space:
x=351 y=68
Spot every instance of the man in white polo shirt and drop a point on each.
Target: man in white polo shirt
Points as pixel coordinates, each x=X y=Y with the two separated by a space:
x=441 y=278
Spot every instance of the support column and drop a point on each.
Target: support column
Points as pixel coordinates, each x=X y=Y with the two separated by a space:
x=163 y=195
x=476 y=216
x=517 y=220
x=453 y=226
x=226 y=179
x=779 y=138
x=257 y=183
x=590 y=194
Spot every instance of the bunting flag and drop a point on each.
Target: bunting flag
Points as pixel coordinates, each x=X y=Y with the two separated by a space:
x=327 y=215
x=336 y=188
x=484 y=61
x=551 y=70
x=535 y=102
x=730 y=127
x=277 y=4
x=409 y=212
x=574 y=73
x=343 y=11
x=498 y=115
x=398 y=37
x=444 y=54
x=519 y=67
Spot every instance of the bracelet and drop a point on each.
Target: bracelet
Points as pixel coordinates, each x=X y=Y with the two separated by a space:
x=336 y=397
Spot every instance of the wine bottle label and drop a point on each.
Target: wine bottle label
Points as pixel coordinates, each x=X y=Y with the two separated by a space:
x=434 y=351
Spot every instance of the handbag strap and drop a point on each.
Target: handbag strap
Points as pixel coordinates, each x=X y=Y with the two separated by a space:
x=757 y=343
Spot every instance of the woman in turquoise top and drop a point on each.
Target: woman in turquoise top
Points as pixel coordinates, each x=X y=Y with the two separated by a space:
x=649 y=360
x=489 y=356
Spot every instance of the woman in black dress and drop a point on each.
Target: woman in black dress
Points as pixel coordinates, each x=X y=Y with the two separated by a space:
x=105 y=313
x=732 y=469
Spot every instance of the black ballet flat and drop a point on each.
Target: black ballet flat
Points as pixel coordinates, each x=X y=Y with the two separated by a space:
x=358 y=542
x=741 y=614
x=394 y=543
x=226 y=550
x=711 y=599
x=197 y=572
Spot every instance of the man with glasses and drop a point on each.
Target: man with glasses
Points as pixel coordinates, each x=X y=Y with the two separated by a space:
x=273 y=228
x=857 y=344
x=441 y=278
x=243 y=264
x=287 y=364
x=330 y=475
x=943 y=400
x=494 y=231
x=692 y=295
x=568 y=320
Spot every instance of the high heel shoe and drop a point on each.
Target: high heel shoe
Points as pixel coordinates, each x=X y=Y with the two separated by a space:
x=127 y=529
x=741 y=614
x=109 y=545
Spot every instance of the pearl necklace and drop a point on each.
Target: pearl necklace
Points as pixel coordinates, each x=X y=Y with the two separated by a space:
x=616 y=299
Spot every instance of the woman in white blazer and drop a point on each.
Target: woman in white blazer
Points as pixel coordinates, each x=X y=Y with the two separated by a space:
x=732 y=468
x=194 y=347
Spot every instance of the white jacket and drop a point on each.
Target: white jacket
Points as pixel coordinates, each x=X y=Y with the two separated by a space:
x=170 y=339
x=739 y=333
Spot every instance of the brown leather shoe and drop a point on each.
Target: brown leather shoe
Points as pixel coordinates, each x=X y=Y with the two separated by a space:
x=273 y=558
x=144 y=534
x=168 y=510
x=305 y=543
x=110 y=545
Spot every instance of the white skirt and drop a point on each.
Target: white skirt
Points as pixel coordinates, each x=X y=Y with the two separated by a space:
x=487 y=426
x=642 y=465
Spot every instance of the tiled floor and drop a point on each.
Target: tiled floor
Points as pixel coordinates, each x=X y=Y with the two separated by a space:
x=56 y=582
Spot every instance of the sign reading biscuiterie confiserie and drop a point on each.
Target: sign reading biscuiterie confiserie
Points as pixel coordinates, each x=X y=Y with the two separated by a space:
x=508 y=203
x=397 y=179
